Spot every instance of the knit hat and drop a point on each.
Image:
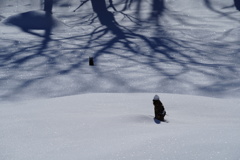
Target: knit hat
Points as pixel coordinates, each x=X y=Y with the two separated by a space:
x=156 y=97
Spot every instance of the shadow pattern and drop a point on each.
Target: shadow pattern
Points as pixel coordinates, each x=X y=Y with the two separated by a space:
x=176 y=55
x=237 y=4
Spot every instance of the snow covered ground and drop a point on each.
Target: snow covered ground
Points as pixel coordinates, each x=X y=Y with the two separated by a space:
x=187 y=47
x=53 y=105
x=120 y=126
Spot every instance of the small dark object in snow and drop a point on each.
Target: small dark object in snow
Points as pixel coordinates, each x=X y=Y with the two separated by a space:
x=91 y=61
x=158 y=109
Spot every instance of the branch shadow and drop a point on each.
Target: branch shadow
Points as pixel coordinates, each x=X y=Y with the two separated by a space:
x=146 y=43
x=35 y=23
x=165 y=45
x=34 y=20
x=210 y=5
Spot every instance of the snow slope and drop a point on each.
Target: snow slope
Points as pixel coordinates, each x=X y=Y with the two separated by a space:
x=185 y=50
x=120 y=126
x=183 y=47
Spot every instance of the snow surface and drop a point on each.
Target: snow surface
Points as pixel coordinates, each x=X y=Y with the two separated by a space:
x=190 y=47
x=120 y=126
x=54 y=106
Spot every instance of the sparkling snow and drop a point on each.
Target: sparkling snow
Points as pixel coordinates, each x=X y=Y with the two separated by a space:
x=54 y=106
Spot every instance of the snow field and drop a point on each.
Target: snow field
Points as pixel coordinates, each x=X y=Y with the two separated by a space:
x=120 y=126
x=106 y=112
x=191 y=48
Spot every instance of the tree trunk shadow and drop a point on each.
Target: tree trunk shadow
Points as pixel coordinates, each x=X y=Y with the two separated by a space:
x=237 y=4
x=106 y=17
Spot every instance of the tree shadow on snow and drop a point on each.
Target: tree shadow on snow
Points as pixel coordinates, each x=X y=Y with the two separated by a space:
x=211 y=6
x=38 y=24
x=158 y=51
x=237 y=4
x=33 y=21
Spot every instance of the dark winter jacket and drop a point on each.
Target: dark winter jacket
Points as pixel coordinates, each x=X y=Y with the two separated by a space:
x=159 y=109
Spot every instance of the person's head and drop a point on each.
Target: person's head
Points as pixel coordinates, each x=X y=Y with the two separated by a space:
x=156 y=98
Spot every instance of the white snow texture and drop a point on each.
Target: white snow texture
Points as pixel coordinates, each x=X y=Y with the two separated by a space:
x=54 y=106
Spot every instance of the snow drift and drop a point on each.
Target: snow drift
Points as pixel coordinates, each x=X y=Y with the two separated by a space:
x=120 y=126
x=183 y=48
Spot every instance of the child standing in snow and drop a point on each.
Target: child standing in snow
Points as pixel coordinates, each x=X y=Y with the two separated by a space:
x=158 y=108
